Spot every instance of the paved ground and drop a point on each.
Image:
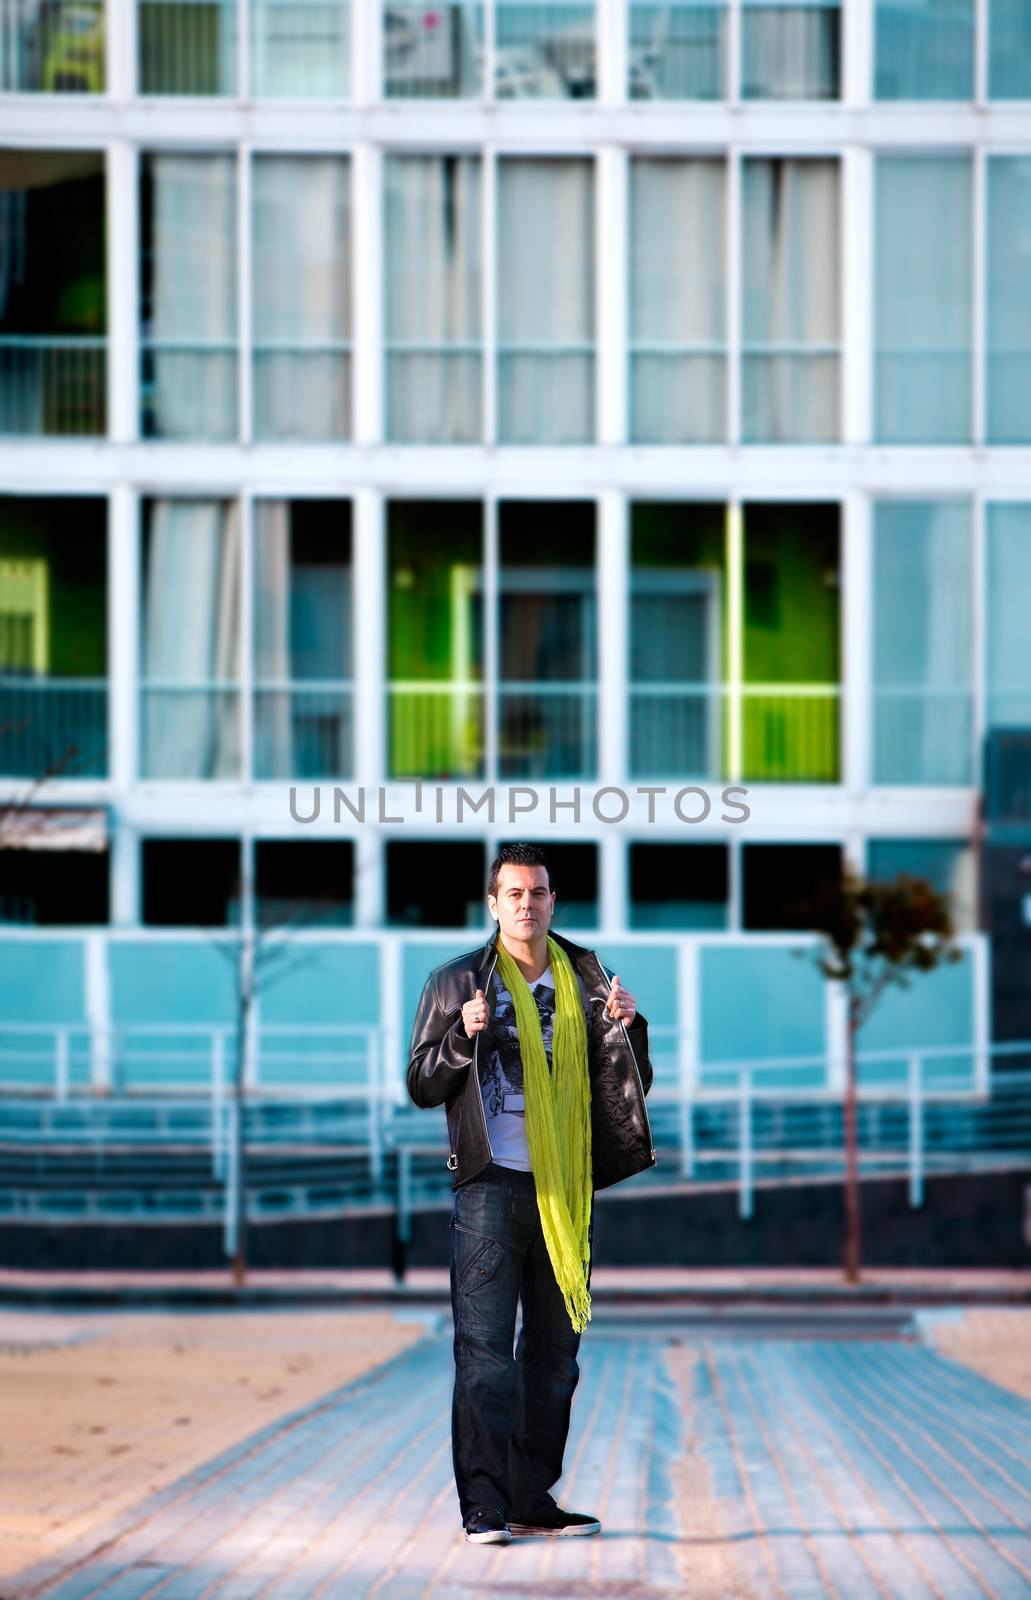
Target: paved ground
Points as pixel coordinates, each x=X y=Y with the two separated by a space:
x=722 y=1468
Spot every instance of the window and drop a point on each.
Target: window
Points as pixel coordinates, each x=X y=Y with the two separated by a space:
x=678 y=886
x=923 y=300
x=779 y=882
x=187 y=46
x=301 y=49
x=545 y=301
x=544 y=49
x=53 y=302
x=678 y=640
x=677 y=301
x=1009 y=50
x=190 y=640
x=56 y=49
x=190 y=883
x=304 y=884
x=53 y=638
x=436 y=883
x=188 y=339
x=947 y=864
x=303 y=697
x=301 y=295
x=1008 y=319
x=791 y=711
x=547 y=693
x=922 y=645
x=435 y=638
x=924 y=51
x=791 y=52
x=433 y=52
x=433 y=329
x=677 y=49
x=54 y=888
x=791 y=278
x=1007 y=633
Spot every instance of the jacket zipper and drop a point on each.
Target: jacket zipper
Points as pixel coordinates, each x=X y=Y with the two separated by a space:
x=476 y=1065
x=633 y=1060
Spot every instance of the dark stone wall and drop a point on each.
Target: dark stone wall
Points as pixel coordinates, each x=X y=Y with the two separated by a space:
x=970 y=1221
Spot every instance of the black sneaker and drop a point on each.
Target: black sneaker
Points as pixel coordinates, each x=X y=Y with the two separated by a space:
x=487 y=1527
x=555 y=1524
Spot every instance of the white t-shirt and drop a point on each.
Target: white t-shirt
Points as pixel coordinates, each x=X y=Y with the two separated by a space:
x=501 y=1071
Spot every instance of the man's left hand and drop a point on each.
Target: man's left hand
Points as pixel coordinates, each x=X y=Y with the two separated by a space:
x=621 y=1005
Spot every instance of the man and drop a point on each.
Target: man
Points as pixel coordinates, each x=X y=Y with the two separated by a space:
x=541 y=1059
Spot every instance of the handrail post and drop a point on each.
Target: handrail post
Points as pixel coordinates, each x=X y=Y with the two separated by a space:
x=218 y=1098
x=61 y=1065
x=916 y=1132
x=745 y=1205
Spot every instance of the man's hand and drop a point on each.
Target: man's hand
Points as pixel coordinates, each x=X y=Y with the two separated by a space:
x=474 y=1014
x=621 y=1004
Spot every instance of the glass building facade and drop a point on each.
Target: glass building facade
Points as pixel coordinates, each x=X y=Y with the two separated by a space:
x=511 y=393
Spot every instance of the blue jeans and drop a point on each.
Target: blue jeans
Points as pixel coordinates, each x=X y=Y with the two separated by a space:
x=510 y=1414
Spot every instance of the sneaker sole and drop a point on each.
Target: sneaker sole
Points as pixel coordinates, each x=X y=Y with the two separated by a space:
x=495 y=1536
x=524 y=1531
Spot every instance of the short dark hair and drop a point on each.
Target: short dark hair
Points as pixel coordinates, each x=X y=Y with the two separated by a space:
x=518 y=855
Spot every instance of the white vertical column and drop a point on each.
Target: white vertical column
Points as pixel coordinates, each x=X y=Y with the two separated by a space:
x=491 y=643
x=610 y=276
x=98 y=1009
x=981 y=84
x=489 y=273
x=367 y=333
x=244 y=87
x=735 y=639
x=979 y=631
x=733 y=51
x=979 y=309
x=732 y=238
x=370 y=603
x=857 y=267
x=120 y=50
x=366 y=51
x=857 y=25
x=246 y=665
x=611 y=22
x=244 y=281
x=123 y=677
x=613 y=866
x=857 y=643
x=613 y=588
x=122 y=285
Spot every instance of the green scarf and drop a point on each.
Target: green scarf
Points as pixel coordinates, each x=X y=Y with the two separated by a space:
x=558 y=1123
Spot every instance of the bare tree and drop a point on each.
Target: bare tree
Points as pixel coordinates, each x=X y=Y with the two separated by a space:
x=875 y=935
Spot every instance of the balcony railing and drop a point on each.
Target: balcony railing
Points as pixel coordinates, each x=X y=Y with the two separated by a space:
x=187 y=47
x=434 y=392
x=53 y=385
x=301 y=49
x=432 y=52
x=190 y=730
x=677 y=50
x=56 y=49
x=759 y=732
x=189 y=390
x=435 y=732
x=304 y=731
x=547 y=730
x=302 y=393
x=44 y=721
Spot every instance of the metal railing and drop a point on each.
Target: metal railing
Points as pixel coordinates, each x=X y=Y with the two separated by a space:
x=187 y=47
x=353 y=1140
x=46 y=719
x=51 y=384
x=758 y=732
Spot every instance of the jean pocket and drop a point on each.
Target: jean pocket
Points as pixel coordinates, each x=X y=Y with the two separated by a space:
x=478 y=1259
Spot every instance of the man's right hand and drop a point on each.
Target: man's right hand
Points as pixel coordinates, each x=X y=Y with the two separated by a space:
x=475 y=1014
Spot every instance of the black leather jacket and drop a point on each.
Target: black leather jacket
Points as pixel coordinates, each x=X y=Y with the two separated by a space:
x=441 y=1054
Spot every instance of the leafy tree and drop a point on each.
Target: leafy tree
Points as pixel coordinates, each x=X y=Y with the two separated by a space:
x=874 y=935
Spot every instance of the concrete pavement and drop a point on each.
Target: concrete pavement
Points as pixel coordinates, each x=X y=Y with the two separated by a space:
x=721 y=1468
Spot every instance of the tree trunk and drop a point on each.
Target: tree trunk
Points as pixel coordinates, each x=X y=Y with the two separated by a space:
x=853 y=1220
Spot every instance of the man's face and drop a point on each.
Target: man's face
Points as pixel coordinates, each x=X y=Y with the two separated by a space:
x=523 y=905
